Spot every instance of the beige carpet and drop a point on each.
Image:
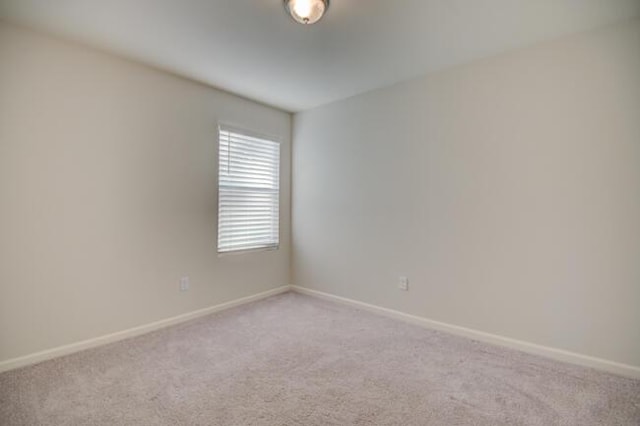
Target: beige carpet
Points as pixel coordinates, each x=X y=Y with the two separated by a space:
x=296 y=360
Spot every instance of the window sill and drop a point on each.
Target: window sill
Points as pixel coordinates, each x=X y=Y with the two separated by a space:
x=247 y=251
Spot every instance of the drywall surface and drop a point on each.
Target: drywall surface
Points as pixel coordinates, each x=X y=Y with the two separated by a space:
x=108 y=195
x=507 y=191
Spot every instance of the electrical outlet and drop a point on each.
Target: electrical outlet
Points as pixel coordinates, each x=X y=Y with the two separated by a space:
x=403 y=283
x=184 y=283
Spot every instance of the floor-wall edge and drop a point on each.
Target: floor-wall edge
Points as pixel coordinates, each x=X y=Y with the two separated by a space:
x=34 y=358
x=532 y=348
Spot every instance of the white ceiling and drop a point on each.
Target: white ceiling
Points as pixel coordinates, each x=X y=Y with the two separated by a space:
x=250 y=47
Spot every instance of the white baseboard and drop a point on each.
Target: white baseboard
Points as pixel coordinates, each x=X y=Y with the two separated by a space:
x=532 y=348
x=34 y=358
x=553 y=353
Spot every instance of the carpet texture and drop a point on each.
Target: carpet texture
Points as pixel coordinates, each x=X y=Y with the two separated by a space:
x=297 y=360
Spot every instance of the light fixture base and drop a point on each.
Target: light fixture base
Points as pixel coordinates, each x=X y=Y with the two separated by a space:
x=306 y=12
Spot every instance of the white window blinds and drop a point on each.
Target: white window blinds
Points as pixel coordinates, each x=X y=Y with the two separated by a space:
x=248 y=191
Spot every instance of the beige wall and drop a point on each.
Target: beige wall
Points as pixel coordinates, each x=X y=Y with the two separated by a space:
x=108 y=195
x=508 y=191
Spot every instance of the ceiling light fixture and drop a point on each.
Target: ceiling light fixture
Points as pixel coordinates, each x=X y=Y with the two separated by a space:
x=306 y=11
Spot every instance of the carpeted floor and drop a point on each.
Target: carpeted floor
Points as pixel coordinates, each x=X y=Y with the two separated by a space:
x=297 y=360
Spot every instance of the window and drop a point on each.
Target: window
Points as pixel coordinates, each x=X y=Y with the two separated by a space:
x=248 y=191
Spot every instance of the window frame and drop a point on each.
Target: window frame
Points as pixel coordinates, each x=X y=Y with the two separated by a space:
x=222 y=126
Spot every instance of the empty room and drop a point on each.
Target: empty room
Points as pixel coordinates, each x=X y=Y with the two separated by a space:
x=319 y=212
